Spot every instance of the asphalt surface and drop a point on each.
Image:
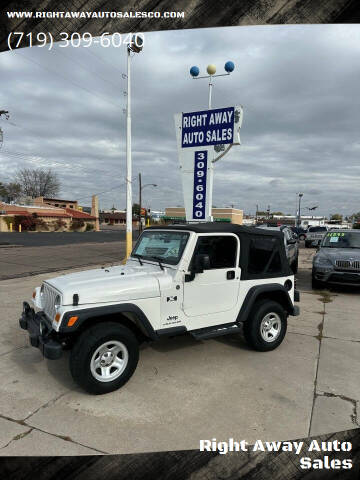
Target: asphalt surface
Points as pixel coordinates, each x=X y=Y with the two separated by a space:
x=46 y=239
x=185 y=390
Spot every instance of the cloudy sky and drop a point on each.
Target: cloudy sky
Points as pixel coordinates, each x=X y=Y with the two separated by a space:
x=299 y=86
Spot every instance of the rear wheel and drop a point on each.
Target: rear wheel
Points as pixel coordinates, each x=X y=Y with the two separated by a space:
x=104 y=358
x=266 y=326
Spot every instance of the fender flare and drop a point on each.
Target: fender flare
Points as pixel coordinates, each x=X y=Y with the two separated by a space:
x=141 y=320
x=257 y=290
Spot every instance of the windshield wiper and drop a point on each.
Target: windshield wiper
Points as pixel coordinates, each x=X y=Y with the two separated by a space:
x=136 y=255
x=157 y=259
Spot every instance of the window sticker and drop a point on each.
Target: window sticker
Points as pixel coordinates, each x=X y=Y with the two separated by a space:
x=334 y=239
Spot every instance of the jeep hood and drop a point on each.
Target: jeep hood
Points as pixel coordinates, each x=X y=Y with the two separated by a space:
x=110 y=284
x=333 y=254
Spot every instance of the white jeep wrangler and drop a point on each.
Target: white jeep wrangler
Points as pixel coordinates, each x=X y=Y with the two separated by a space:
x=207 y=280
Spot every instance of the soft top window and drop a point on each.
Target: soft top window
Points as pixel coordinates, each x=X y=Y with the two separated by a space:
x=264 y=256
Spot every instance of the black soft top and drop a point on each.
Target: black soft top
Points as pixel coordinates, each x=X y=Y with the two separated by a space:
x=219 y=227
x=255 y=242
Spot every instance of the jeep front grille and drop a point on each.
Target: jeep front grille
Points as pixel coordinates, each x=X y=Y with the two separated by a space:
x=48 y=300
x=348 y=264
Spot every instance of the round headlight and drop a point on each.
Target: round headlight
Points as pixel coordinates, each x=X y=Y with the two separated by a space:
x=57 y=302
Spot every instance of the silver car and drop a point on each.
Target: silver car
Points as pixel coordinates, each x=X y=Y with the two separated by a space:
x=338 y=259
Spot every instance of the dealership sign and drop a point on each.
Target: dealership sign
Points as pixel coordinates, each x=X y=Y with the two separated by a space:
x=210 y=127
x=200 y=137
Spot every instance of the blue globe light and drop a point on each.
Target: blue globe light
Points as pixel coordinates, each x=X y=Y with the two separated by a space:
x=229 y=67
x=194 y=71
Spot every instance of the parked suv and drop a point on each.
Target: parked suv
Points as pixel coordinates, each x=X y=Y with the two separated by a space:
x=338 y=259
x=290 y=243
x=205 y=280
x=314 y=235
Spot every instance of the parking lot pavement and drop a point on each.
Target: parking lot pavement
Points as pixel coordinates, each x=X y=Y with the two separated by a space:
x=19 y=262
x=185 y=390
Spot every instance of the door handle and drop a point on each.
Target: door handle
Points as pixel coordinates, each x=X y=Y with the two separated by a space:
x=230 y=275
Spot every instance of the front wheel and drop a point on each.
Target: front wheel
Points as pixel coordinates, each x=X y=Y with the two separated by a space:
x=104 y=358
x=266 y=326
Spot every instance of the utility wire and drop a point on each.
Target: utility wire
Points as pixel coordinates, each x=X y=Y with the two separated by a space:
x=65 y=78
x=80 y=64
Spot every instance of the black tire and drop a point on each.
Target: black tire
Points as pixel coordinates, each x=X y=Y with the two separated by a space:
x=295 y=265
x=86 y=346
x=252 y=326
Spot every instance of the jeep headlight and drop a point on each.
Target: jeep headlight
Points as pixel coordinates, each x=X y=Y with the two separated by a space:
x=57 y=302
x=322 y=261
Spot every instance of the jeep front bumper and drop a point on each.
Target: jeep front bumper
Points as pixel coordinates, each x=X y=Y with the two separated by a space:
x=40 y=332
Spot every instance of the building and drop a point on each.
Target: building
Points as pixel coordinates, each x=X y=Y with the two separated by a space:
x=110 y=218
x=44 y=218
x=231 y=215
x=56 y=202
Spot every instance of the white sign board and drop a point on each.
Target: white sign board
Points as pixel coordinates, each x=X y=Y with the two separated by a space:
x=200 y=138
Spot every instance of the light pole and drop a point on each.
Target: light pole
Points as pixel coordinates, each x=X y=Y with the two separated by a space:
x=141 y=187
x=299 y=211
x=135 y=46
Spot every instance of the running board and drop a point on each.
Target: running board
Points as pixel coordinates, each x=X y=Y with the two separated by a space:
x=216 y=331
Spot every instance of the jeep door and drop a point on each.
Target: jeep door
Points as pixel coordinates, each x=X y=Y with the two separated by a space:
x=216 y=289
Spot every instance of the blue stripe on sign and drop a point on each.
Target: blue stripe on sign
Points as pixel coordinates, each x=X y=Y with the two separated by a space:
x=199 y=196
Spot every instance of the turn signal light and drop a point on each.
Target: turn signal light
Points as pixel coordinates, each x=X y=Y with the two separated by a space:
x=34 y=294
x=71 y=321
x=57 y=317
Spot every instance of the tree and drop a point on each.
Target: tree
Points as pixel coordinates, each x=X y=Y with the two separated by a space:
x=10 y=191
x=136 y=209
x=336 y=216
x=38 y=182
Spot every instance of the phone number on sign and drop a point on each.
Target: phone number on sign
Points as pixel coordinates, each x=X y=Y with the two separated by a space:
x=42 y=39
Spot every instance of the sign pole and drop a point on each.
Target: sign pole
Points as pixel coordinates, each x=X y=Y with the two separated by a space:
x=210 y=92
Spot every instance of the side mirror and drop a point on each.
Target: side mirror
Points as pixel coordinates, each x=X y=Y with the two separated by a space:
x=201 y=263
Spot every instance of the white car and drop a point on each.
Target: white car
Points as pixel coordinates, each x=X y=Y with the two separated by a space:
x=206 y=280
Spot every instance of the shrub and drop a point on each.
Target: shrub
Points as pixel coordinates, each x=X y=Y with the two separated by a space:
x=59 y=224
x=356 y=225
x=27 y=223
x=40 y=224
x=89 y=227
x=9 y=220
x=76 y=224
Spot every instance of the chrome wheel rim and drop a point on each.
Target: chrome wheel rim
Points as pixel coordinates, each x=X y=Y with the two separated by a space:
x=270 y=327
x=109 y=361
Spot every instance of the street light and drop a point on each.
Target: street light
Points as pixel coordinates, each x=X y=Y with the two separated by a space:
x=141 y=188
x=135 y=46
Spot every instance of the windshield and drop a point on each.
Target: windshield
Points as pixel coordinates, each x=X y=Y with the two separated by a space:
x=164 y=245
x=341 y=240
